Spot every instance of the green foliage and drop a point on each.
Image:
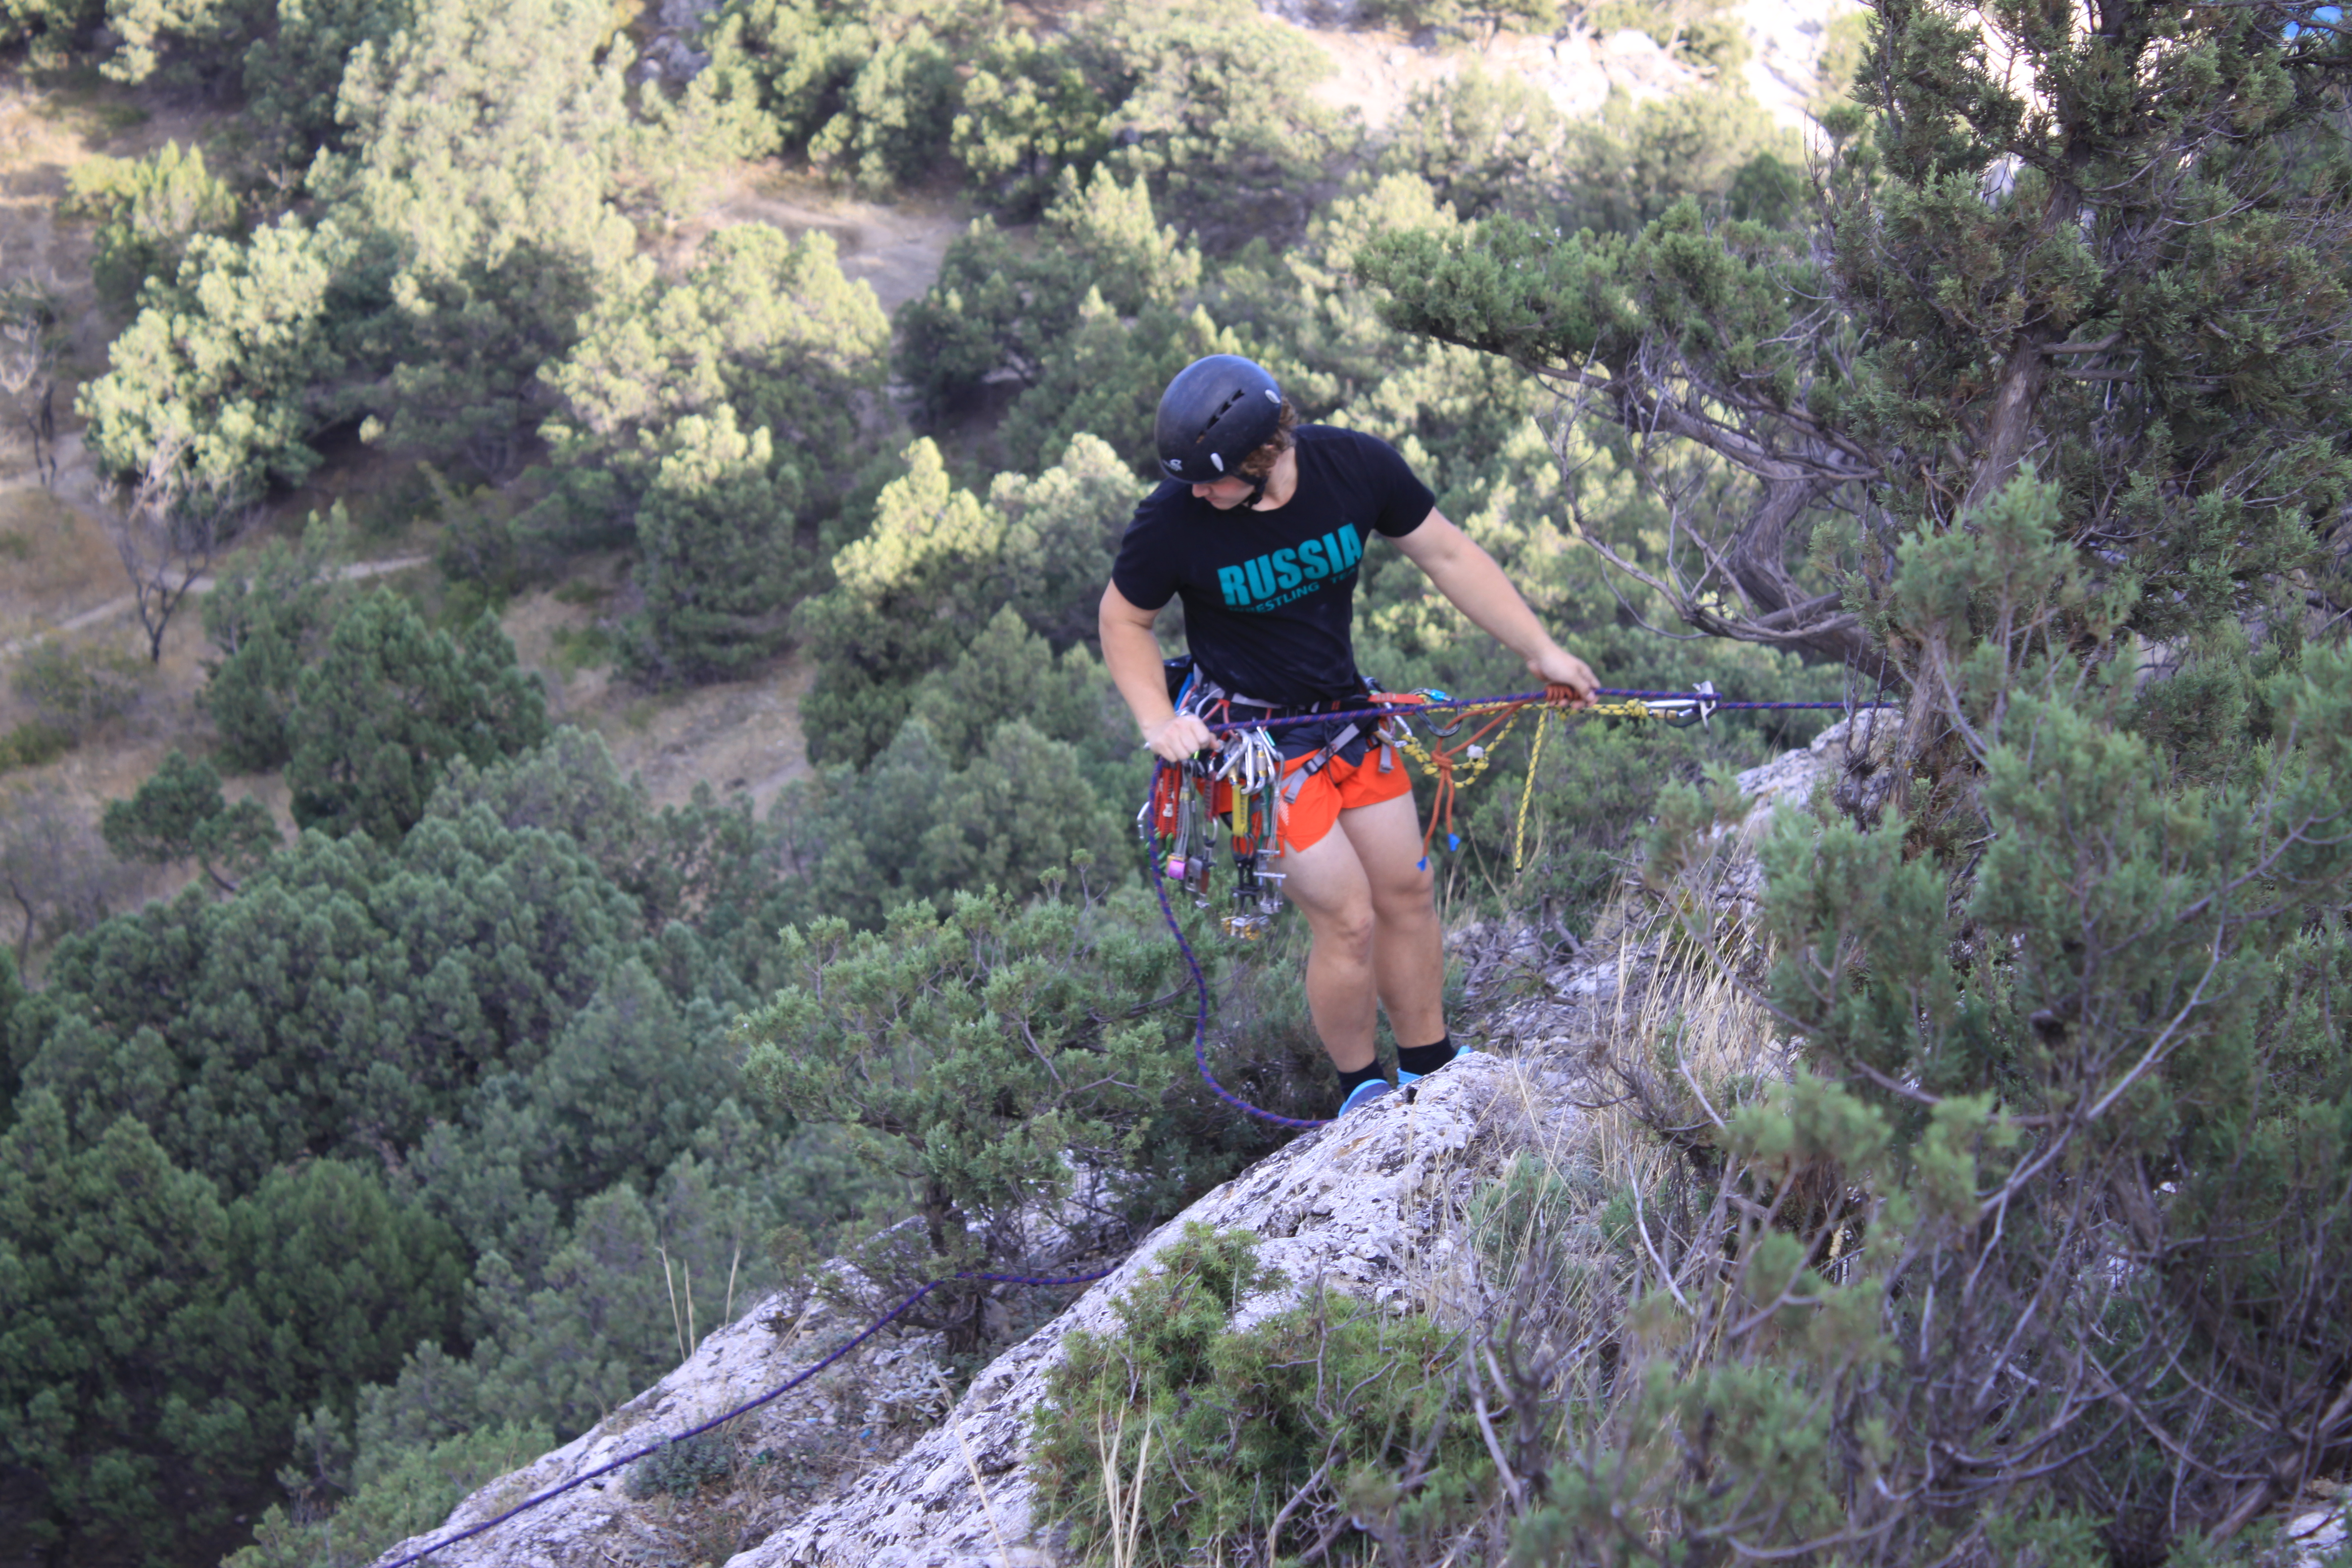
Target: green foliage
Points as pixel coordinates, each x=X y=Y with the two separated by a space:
x=1483 y=142
x=451 y=240
x=1956 y=220
x=483 y=146
x=267 y=615
x=393 y=988
x=76 y=686
x=1329 y=1414
x=761 y=323
x=1215 y=96
x=869 y=91
x=1026 y=116
x=706 y=864
x=711 y=418
x=387 y=705
x=158 y=1338
x=683 y=1469
x=234 y=367
x=295 y=73
x=2051 y=1055
x=721 y=567
x=179 y=815
x=1703 y=33
x=1206 y=100
x=907 y=596
x=1486 y=19
x=998 y=1066
x=148 y=208
x=998 y=310
x=33 y=743
x=412 y=1495
x=1105 y=376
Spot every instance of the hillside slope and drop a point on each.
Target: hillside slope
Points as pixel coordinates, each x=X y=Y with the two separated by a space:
x=1375 y=1208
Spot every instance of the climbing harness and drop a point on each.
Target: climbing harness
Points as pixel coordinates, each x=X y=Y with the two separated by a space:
x=1679 y=709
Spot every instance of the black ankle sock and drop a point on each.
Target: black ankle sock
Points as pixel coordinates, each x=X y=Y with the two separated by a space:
x=1349 y=1082
x=1426 y=1059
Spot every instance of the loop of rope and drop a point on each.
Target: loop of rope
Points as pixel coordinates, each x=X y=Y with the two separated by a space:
x=1527 y=796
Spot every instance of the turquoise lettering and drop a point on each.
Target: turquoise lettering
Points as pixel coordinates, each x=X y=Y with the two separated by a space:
x=1229 y=578
x=1261 y=578
x=1310 y=556
x=1285 y=569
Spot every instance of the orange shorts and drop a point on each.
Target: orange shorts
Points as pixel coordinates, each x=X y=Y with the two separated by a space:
x=1338 y=786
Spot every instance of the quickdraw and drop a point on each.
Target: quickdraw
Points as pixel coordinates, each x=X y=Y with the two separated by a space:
x=1238 y=794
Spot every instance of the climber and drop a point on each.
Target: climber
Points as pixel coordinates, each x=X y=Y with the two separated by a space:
x=1257 y=527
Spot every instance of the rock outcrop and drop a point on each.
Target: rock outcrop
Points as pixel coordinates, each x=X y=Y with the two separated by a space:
x=1361 y=1206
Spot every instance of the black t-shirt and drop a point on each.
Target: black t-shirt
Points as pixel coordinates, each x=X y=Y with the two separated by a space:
x=1269 y=596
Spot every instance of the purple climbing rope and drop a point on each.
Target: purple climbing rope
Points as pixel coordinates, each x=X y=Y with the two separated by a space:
x=745 y=1407
x=1201 y=1003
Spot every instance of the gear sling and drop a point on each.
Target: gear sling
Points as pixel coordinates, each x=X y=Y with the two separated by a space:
x=1241 y=795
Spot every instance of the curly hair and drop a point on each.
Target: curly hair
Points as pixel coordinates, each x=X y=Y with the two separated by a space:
x=1260 y=463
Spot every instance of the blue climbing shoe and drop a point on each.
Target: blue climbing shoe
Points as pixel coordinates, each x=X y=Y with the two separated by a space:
x=1405 y=1079
x=1365 y=1093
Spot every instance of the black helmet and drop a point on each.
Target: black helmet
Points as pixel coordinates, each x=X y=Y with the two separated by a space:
x=1215 y=413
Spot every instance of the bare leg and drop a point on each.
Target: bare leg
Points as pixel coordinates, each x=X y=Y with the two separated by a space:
x=1329 y=885
x=1408 y=948
x=1376 y=936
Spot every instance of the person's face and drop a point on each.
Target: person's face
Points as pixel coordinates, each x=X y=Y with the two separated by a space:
x=1225 y=494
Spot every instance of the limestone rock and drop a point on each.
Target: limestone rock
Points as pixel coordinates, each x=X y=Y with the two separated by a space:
x=1360 y=1206
x=864 y=1409
x=1357 y=1205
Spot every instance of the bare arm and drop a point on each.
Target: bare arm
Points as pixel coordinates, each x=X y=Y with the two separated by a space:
x=1133 y=655
x=1468 y=577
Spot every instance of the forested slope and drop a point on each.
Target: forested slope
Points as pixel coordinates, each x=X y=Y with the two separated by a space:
x=397 y=1144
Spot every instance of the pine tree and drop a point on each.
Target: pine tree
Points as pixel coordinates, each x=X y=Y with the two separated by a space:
x=2124 y=276
x=390 y=702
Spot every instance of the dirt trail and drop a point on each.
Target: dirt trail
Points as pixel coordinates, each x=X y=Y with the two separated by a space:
x=115 y=609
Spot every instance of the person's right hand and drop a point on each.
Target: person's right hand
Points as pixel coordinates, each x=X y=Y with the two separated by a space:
x=1179 y=738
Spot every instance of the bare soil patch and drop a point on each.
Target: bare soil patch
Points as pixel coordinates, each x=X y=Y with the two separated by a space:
x=894 y=249
x=741 y=737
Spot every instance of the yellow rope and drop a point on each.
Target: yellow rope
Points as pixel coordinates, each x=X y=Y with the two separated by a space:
x=1527 y=798
x=1633 y=708
x=1413 y=749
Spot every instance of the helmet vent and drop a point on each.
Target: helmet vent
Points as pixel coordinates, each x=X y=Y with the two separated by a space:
x=1223 y=409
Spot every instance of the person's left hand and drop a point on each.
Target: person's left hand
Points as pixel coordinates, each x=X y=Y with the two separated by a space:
x=1555 y=665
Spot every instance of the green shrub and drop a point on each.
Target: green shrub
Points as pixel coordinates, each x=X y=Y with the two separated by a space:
x=683 y=1469
x=32 y=743
x=412 y=1494
x=148 y=208
x=77 y=687
x=1321 y=1430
